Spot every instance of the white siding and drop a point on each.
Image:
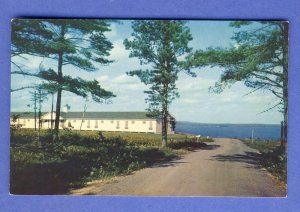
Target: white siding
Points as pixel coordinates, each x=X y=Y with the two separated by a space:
x=129 y=125
x=116 y=125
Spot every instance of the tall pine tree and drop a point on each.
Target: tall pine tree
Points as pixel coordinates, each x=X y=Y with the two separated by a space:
x=259 y=58
x=77 y=42
x=160 y=44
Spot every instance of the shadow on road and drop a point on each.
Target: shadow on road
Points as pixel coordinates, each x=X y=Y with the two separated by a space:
x=211 y=147
x=175 y=162
x=248 y=157
x=207 y=147
x=167 y=164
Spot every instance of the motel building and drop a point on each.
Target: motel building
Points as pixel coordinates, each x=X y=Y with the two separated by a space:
x=97 y=121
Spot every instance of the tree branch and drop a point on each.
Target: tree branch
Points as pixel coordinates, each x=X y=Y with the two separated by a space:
x=22 y=88
x=269 y=108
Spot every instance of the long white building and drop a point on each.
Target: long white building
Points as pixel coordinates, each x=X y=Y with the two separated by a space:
x=99 y=121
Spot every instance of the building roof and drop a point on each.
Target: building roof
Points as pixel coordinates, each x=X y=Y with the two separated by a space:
x=107 y=115
x=92 y=115
x=25 y=114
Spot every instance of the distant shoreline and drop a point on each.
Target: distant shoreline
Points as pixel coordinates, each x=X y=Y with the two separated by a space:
x=245 y=124
x=238 y=131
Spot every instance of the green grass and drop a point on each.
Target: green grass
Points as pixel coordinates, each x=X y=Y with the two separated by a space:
x=79 y=157
x=273 y=157
x=263 y=146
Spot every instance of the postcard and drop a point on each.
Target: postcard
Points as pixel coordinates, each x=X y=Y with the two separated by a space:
x=147 y=107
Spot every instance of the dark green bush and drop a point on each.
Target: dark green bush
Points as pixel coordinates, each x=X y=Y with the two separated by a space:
x=187 y=144
x=273 y=157
x=54 y=168
x=276 y=162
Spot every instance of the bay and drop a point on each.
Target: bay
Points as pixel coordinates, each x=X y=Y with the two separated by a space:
x=241 y=131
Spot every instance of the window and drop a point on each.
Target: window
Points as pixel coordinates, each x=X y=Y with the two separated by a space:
x=28 y=120
x=102 y=121
x=144 y=122
x=150 y=125
x=24 y=122
x=96 y=124
x=118 y=125
x=74 y=121
x=126 y=124
x=132 y=122
x=83 y=121
x=88 y=124
x=112 y=122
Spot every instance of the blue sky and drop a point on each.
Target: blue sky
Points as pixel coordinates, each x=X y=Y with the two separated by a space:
x=195 y=104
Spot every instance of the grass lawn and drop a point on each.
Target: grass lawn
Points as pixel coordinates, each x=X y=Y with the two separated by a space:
x=79 y=157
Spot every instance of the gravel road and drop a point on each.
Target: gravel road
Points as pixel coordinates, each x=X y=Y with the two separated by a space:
x=227 y=168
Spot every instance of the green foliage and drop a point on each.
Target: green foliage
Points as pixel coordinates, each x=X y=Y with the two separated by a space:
x=28 y=37
x=54 y=168
x=187 y=145
x=159 y=44
x=273 y=157
x=263 y=146
x=258 y=58
x=276 y=162
x=77 y=42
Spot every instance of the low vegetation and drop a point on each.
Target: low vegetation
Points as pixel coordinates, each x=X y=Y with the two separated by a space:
x=273 y=157
x=54 y=168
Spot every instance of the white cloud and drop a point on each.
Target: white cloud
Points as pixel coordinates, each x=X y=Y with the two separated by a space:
x=112 y=33
x=190 y=84
x=124 y=79
x=119 y=52
x=102 y=79
x=29 y=63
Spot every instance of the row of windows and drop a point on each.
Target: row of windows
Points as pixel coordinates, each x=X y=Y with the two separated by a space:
x=96 y=123
x=74 y=121
x=88 y=123
x=83 y=121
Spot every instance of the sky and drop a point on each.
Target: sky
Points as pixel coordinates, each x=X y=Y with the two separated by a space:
x=195 y=104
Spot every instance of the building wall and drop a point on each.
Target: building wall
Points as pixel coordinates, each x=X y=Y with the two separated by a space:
x=132 y=125
x=29 y=123
x=159 y=125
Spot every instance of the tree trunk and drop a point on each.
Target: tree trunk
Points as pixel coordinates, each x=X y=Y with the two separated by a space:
x=35 y=111
x=57 y=115
x=59 y=91
x=285 y=85
x=164 y=132
x=84 y=110
x=52 y=113
x=164 y=118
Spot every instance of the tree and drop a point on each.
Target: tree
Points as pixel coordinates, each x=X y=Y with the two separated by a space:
x=28 y=36
x=38 y=97
x=70 y=42
x=160 y=44
x=259 y=58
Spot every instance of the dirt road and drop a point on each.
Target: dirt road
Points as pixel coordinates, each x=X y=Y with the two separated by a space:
x=227 y=168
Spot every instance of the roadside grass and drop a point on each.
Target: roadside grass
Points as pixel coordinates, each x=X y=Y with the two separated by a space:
x=273 y=157
x=79 y=157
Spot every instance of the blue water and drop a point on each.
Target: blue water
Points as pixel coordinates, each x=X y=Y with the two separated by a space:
x=241 y=131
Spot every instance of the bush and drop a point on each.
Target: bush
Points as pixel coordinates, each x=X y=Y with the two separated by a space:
x=54 y=168
x=187 y=144
x=276 y=162
x=273 y=157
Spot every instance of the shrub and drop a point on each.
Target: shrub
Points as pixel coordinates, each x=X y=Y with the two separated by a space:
x=273 y=157
x=187 y=144
x=54 y=168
